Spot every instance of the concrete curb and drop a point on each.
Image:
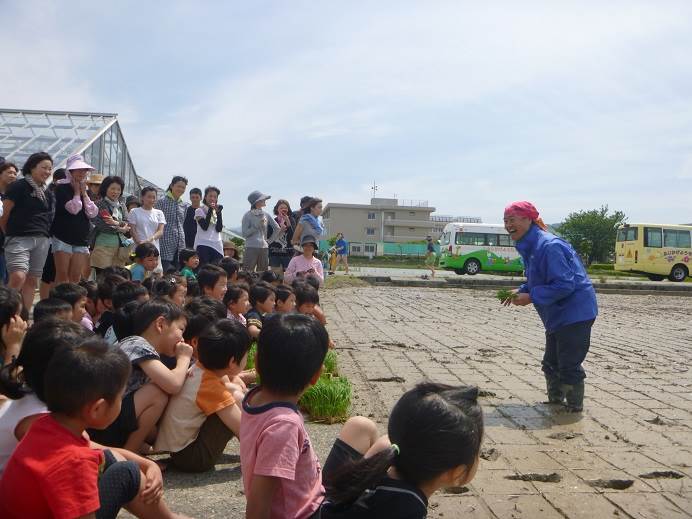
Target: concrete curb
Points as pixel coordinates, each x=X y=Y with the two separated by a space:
x=678 y=290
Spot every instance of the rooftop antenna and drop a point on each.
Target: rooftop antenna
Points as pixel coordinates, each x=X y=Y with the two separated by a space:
x=374 y=189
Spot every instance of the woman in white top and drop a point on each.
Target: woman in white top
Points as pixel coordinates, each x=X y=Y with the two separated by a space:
x=27 y=395
x=208 y=242
x=146 y=222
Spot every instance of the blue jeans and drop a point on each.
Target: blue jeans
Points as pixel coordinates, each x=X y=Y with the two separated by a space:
x=565 y=350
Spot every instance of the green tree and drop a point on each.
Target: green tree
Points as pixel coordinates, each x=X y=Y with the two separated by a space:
x=592 y=233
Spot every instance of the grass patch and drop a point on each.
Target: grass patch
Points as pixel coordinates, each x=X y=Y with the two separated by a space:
x=329 y=400
x=344 y=282
x=251 y=354
x=330 y=363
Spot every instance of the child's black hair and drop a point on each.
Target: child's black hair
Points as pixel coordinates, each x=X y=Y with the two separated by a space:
x=10 y=305
x=269 y=276
x=436 y=428
x=259 y=292
x=145 y=250
x=313 y=281
x=196 y=191
x=306 y=294
x=201 y=313
x=124 y=319
x=117 y=271
x=166 y=286
x=81 y=375
x=234 y=291
x=92 y=289
x=50 y=308
x=146 y=190
x=222 y=342
x=290 y=351
x=126 y=292
x=148 y=282
x=230 y=265
x=246 y=277
x=41 y=341
x=148 y=312
x=283 y=292
x=209 y=275
x=186 y=255
x=70 y=292
x=192 y=288
x=107 y=285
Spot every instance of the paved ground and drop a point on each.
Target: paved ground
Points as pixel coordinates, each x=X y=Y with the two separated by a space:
x=638 y=417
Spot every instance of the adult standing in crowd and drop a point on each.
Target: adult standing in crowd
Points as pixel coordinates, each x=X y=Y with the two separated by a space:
x=48 y=275
x=173 y=208
x=209 y=217
x=430 y=255
x=562 y=293
x=94 y=183
x=146 y=222
x=190 y=224
x=280 y=249
x=112 y=243
x=254 y=230
x=26 y=220
x=341 y=251
x=309 y=223
x=299 y=212
x=71 y=223
x=8 y=174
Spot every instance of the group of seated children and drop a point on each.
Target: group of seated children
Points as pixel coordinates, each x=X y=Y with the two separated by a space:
x=113 y=371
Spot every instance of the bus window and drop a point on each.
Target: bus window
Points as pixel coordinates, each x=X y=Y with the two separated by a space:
x=677 y=239
x=653 y=237
x=627 y=234
x=470 y=238
x=491 y=239
x=444 y=239
x=503 y=240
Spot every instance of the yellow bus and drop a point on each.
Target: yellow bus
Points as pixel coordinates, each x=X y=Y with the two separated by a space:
x=660 y=251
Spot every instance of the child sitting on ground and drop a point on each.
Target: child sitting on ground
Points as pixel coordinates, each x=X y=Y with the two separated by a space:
x=106 y=286
x=285 y=299
x=305 y=264
x=156 y=329
x=213 y=281
x=308 y=303
x=73 y=294
x=201 y=419
x=270 y=277
x=22 y=379
x=92 y=313
x=68 y=476
x=190 y=261
x=126 y=292
x=146 y=261
x=52 y=308
x=201 y=313
x=171 y=287
x=232 y=268
x=237 y=301
x=262 y=300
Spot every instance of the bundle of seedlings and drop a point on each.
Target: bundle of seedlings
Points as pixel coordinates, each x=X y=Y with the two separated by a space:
x=504 y=294
x=329 y=400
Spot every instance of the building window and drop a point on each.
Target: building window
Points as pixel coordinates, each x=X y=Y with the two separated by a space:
x=412 y=213
x=370 y=248
x=371 y=216
x=370 y=231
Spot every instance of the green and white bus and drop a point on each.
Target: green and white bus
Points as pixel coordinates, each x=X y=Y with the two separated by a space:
x=469 y=248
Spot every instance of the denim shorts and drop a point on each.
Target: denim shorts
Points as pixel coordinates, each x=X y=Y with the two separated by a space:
x=61 y=246
x=26 y=254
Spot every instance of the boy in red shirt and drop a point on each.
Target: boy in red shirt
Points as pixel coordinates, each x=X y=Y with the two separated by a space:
x=70 y=476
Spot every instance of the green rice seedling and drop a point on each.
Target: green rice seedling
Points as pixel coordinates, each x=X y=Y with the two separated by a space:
x=329 y=400
x=330 y=363
x=504 y=294
x=251 y=354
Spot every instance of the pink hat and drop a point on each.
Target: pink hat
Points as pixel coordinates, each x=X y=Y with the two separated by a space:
x=77 y=162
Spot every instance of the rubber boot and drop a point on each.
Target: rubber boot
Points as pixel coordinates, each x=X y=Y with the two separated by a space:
x=575 y=396
x=555 y=393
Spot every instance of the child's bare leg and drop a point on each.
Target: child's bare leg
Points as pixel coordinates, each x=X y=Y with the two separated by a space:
x=150 y=402
x=360 y=433
x=154 y=509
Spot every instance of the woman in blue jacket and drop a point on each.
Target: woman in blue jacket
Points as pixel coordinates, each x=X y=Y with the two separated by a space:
x=562 y=293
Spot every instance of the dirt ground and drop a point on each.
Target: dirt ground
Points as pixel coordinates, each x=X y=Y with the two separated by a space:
x=628 y=456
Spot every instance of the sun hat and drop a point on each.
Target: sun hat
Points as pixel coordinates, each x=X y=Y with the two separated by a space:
x=95 y=178
x=257 y=196
x=308 y=238
x=77 y=162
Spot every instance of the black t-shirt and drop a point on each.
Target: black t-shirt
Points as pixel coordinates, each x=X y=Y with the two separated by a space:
x=73 y=229
x=391 y=498
x=29 y=216
x=190 y=227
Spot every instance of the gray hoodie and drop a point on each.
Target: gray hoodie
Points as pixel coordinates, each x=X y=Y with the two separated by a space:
x=254 y=228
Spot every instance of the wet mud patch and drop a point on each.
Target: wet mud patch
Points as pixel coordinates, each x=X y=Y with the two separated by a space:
x=564 y=435
x=484 y=393
x=662 y=474
x=490 y=454
x=553 y=477
x=456 y=490
x=615 y=484
x=387 y=379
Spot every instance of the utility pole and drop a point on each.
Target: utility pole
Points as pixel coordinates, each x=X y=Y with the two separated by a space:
x=374 y=189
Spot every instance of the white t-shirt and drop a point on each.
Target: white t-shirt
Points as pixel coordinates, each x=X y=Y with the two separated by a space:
x=146 y=222
x=211 y=237
x=11 y=413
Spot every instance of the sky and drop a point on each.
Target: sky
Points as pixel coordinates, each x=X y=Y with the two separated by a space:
x=467 y=105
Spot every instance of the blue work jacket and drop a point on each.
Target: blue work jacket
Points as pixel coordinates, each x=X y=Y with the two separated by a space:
x=560 y=290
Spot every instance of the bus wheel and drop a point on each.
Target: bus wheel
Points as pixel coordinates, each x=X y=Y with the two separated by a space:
x=655 y=277
x=460 y=272
x=678 y=273
x=472 y=267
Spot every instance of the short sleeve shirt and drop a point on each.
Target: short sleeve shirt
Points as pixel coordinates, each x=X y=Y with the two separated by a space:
x=203 y=394
x=61 y=470
x=146 y=222
x=137 y=349
x=29 y=216
x=254 y=318
x=274 y=442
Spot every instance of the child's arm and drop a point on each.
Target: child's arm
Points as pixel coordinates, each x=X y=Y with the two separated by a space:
x=170 y=380
x=230 y=416
x=318 y=313
x=153 y=488
x=253 y=331
x=259 y=500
